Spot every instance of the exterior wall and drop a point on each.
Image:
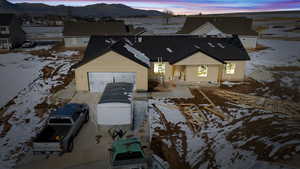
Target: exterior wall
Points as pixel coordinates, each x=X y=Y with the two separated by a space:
x=198 y=58
x=249 y=42
x=239 y=73
x=76 y=41
x=191 y=67
x=17 y=34
x=168 y=71
x=111 y=62
x=191 y=74
x=206 y=29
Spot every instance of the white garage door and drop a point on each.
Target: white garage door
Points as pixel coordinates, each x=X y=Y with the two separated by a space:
x=98 y=80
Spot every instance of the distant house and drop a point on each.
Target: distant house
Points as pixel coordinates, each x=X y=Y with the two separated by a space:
x=137 y=59
x=77 y=34
x=222 y=26
x=11 y=33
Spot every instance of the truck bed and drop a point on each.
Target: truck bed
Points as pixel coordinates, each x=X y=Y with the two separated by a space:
x=51 y=133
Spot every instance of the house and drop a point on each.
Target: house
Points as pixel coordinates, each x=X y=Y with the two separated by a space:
x=222 y=26
x=138 y=59
x=77 y=34
x=11 y=33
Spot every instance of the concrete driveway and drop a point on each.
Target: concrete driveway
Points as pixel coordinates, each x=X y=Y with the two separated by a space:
x=86 y=153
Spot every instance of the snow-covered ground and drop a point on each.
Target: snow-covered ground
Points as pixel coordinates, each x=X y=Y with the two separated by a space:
x=17 y=71
x=157 y=25
x=279 y=54
x=222 y=144
x=22 y=77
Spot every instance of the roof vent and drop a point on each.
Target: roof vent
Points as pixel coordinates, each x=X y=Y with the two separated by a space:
x=169 y=50
x=140 y=39
x=211 y=45
x=220 y=45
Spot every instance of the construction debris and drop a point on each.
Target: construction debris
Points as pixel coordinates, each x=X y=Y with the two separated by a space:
x=272 y=105
x=194 y=116
x=212 y=108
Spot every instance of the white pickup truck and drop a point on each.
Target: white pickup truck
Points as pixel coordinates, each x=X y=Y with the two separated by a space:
x=62 y=127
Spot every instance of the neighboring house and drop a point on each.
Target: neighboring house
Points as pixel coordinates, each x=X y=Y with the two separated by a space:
x=11 y=33
x=77 y=34
x=222 y=26
x=137 y=59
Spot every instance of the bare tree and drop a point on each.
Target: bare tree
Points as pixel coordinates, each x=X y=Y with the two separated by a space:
x=168 y=15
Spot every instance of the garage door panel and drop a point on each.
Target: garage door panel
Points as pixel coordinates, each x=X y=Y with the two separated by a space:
x=98 y=80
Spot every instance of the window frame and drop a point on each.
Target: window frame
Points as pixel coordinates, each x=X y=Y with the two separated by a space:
x=230 y=68
x=199 y=74
x=156 y=68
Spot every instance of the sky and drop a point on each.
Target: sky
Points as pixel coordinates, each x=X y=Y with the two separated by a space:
x=187 y=6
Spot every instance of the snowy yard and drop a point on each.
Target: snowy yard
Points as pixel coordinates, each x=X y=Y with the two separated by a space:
x=28 y=81
x=157 y=25
x=254 y=138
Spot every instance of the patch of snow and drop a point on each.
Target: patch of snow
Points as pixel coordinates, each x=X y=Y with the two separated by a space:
x=139 y=55
x=230 y=84
x=286 y=81
x=159 y=163
x=67 y=53
x=262 y=75
x=40 y=47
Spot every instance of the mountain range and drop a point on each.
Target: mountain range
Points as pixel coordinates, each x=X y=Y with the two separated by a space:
x=96 y=10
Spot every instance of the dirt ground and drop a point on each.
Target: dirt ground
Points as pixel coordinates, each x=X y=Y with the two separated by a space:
x=276 y=127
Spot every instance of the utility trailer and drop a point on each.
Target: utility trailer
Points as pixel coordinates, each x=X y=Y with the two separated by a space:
x=115 y=108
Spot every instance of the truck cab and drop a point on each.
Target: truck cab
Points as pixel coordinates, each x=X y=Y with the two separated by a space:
x=128 y=154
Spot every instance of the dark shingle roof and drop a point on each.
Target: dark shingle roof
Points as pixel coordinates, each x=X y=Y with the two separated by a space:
x=6 y=19
x=228 y=25
x=98 y=28
x=117 y=93
x=170 y=48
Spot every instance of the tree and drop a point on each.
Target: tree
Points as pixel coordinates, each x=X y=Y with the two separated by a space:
x=168 y=15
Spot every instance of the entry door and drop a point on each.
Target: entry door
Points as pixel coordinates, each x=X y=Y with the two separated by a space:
x=98 y=80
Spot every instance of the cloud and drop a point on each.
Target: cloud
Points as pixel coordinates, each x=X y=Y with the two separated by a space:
x=190 y=6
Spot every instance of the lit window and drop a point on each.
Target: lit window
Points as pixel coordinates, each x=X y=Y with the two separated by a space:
x=159 y=68
x=202 y=71
x=230 y=68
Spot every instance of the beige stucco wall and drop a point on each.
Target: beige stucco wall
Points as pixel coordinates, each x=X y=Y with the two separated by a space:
x=206 y=29
x=191 y=67
x=239 y=74
x=249 y=42
x=198 y=58
x=111 y=62
x=168 y=71
x=76 y=41
x=191 y=74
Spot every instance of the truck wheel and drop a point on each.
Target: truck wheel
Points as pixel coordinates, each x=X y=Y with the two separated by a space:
x=87 y=117
x=70 y=146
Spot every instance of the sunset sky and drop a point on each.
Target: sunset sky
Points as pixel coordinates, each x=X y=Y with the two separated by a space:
x=188 y=6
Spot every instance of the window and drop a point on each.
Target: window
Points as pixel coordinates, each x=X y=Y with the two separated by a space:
x=230 y=68
x=159 y=67
x=2 y=28
x=202 y=71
